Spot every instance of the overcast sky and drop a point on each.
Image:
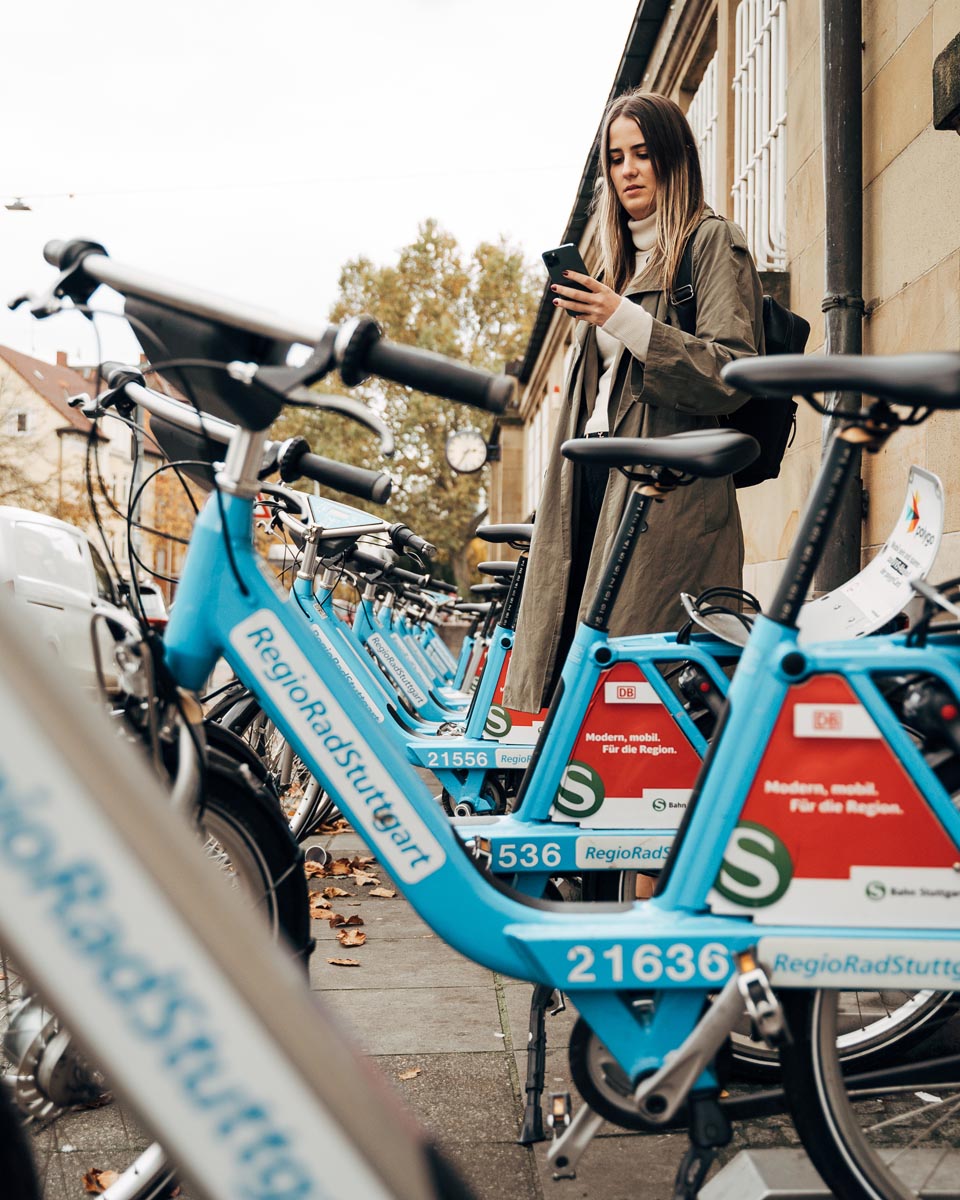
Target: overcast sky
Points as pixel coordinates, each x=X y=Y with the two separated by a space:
x=253 y=148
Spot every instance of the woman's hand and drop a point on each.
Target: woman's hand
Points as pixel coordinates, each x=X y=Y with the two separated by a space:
x=594 y=306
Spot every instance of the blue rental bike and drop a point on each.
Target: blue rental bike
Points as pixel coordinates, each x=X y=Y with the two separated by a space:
x=819 y=850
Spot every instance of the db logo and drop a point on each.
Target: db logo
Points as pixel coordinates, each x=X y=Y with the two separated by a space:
x=626 y=691
x=827 y=718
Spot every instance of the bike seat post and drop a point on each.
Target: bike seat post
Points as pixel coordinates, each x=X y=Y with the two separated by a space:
x=632 y=523
x=511 y=606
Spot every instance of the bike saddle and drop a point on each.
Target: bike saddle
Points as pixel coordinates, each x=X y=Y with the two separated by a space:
x=918 y=380
x=499 y=570
x=517 y=536
x=710 y=453
x=494 y=590
x=465 y=606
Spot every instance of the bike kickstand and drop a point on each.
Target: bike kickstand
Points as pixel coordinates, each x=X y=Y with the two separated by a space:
x=709 y=1131
x=532 y=1130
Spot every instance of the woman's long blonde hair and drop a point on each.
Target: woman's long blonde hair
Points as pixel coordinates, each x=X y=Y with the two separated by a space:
x=676 y=165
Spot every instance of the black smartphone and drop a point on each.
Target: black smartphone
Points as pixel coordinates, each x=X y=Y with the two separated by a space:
x=565 y=258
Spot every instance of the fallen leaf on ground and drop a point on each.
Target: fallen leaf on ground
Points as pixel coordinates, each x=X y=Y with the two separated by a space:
x=411 y=1074
x=362 y=860
x=386 y=893
x=341 y=825
x=340 y=866
x=362 y=879
x=336 y=919
x=344 y=962
x=96 y=1181
x=314 y=870
x=331 y=893
x=351 y=937
x=317 y=904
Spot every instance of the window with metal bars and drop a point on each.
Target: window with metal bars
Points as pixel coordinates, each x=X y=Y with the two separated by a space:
x=703 y=117
x=760 y=117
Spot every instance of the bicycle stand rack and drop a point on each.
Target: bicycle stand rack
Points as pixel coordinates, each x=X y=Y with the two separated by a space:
x=788 y=1174
x=783 y=1173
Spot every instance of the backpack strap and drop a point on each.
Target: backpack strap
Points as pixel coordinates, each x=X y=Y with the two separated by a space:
x=683 y=299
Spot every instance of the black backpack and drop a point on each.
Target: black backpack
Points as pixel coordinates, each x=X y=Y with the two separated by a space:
x=769 y=419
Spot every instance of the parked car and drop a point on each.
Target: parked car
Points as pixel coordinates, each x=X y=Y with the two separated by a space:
x=58 y=578
x=154 y=606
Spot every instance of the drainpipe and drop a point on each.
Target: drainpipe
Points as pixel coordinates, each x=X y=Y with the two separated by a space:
x=840 y=46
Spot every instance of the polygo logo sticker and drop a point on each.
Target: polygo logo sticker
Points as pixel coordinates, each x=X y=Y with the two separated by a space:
x=912 y=515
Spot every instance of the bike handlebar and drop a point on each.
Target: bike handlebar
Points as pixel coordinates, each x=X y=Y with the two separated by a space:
x=441 y=585
x=296 y=460
x=358 y=348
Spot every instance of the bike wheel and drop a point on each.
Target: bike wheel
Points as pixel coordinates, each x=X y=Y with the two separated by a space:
x=16 y=1163
x=872 y=1028
x=897 y=1136
x=304 y=803
x=245 y=834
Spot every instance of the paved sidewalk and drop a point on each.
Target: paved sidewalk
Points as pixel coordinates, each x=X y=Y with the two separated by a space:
x=415 y=1004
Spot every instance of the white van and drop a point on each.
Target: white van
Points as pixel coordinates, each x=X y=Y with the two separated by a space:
x=58 y=578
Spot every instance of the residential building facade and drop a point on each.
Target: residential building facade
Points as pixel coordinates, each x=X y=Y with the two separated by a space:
x=748 y=74
x=45 y=445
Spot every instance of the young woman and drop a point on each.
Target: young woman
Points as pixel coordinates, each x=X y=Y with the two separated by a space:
x=635 y=373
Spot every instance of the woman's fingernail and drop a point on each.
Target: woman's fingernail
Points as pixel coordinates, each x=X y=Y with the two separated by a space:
x=556 y=301
x=566 y=274
x=553 y=287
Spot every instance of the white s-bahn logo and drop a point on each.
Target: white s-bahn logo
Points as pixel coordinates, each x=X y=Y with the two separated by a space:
x=756 y=868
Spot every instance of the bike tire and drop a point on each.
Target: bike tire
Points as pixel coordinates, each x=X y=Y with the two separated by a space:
x=305 y=805
x=876 y=1143
x=17 y=1171
x=242 y=821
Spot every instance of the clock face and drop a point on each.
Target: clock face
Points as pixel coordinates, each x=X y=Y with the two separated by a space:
x=466 y=450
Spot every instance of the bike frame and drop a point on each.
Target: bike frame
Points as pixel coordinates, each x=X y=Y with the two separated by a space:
x=674 y=944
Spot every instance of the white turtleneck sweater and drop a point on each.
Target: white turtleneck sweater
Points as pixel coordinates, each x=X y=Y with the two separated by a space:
x=629 y=326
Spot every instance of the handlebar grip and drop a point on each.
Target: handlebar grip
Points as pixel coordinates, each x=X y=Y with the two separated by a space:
x=295 y=461
x=403 y=576
x=440 y=585
x=428 y=372
x=359 y=351
x=404 y=538
x=355 y=481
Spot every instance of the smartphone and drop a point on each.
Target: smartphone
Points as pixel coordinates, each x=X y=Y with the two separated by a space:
x=565 y=258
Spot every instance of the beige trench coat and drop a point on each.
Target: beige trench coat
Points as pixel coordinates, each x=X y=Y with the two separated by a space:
x=694 y=539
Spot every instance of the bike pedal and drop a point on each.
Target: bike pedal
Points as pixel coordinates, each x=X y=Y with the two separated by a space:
x=480 y=851
x=558 y=1112
x=763 y=1007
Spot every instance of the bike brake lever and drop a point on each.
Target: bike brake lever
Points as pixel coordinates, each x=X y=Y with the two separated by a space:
x=932 y=596
x=346 y=406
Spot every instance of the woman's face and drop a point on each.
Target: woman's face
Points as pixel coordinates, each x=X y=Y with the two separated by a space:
x=631 y=170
